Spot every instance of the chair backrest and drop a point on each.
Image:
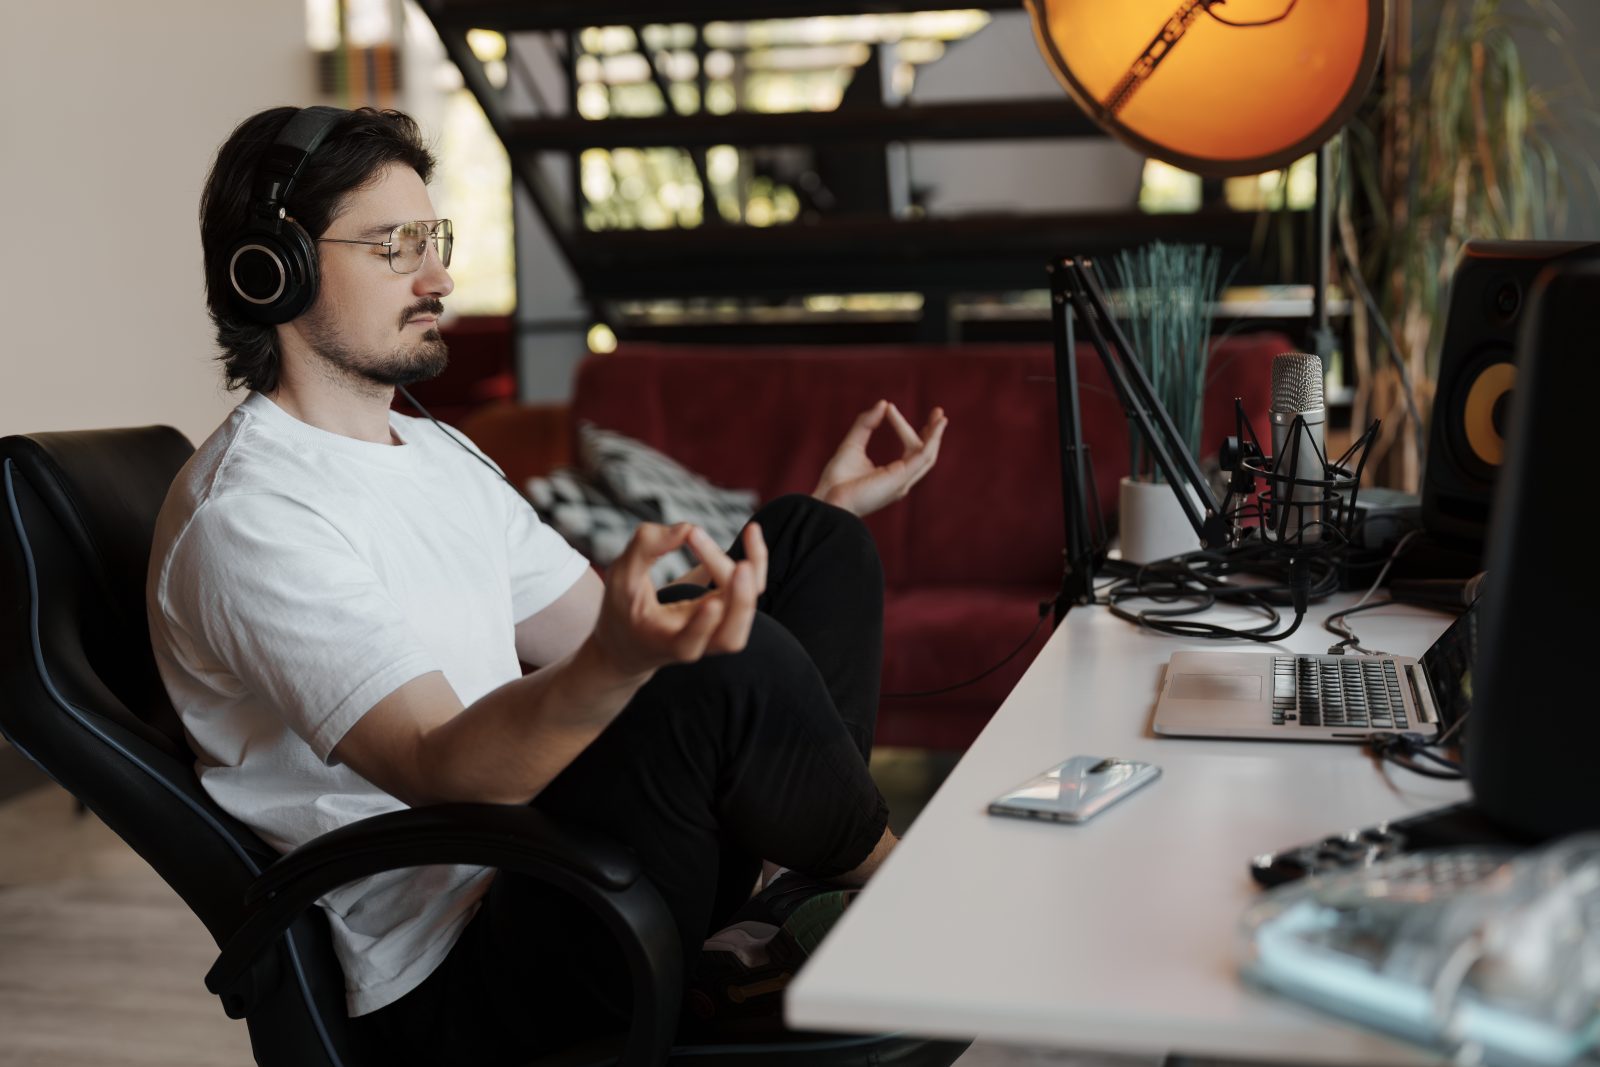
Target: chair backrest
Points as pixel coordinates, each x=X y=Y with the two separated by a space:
x=81 y=697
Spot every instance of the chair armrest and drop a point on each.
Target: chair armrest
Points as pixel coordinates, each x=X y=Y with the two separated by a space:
x=419 y=836
x=598 y=872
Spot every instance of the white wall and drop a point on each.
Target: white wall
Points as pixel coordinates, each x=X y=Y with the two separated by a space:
x=1002 y=62
x=111 y=113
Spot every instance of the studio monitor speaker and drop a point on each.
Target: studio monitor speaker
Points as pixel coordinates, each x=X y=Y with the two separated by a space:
x=1477 y=372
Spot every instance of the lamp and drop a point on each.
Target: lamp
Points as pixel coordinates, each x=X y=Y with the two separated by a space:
x=1218 y=87
x=1221 y=88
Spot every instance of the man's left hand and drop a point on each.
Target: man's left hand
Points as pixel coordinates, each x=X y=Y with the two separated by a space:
x=851 y=480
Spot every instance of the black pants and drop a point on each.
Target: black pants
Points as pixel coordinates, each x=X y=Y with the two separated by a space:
x=711 y=768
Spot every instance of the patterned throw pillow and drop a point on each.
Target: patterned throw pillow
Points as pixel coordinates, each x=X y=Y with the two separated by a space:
x=650 y=484
x=593 y=522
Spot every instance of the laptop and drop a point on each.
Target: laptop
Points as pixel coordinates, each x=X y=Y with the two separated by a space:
x=1296 y=697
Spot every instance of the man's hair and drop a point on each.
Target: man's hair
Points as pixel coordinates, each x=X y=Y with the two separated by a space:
x=358 y=147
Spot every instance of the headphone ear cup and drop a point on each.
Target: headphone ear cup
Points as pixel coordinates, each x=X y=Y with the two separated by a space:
x=273 y=275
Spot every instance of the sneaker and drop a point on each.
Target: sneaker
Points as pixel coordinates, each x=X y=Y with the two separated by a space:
x=736 y=983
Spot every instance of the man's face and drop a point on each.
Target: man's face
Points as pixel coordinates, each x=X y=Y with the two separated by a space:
x=369 y=322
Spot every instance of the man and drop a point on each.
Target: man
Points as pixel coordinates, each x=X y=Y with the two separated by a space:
x=340 y=597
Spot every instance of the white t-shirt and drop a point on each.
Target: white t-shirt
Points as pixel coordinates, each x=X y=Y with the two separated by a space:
x=297 y=578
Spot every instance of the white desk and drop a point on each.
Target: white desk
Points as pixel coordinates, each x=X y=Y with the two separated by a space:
x=1119 y=934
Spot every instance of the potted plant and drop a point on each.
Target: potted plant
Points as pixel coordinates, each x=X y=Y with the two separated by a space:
x=1166 y=296
x=1462 y=144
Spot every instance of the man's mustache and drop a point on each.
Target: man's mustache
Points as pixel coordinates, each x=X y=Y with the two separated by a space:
x=431 y=306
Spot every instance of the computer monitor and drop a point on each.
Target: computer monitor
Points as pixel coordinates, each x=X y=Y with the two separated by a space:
x=1532 y=745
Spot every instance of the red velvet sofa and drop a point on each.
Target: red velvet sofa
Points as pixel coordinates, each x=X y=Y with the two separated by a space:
x=977 y=545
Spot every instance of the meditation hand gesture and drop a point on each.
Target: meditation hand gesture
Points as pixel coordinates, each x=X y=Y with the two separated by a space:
x=637 y=633
x=852 y=482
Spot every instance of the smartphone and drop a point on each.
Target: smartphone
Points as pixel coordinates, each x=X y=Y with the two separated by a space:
x=1076 y=789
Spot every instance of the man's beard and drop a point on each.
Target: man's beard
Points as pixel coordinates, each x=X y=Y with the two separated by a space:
x=404 y=365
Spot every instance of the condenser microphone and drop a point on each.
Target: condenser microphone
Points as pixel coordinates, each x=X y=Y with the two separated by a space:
x=1297 y=393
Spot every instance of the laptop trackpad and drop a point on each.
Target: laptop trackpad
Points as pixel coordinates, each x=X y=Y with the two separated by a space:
x=1237 y=687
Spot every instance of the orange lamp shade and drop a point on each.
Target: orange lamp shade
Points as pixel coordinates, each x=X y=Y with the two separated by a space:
x=1218 y=87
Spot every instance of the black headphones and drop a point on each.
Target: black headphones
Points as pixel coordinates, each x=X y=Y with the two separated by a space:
x=272 y=265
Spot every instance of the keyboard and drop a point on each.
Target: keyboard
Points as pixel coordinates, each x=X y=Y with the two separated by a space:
x=1347 y=691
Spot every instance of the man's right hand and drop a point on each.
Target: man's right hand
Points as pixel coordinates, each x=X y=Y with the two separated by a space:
x=420 y=745
x=636 y=634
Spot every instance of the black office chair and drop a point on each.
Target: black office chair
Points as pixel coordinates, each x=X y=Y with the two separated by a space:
x=80 y=696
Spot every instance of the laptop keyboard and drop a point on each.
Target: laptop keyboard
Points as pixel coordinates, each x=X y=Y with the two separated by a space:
x=1337 y=691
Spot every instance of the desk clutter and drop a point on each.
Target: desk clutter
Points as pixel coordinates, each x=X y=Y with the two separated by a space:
x=1484 y=953
x=1453 y=826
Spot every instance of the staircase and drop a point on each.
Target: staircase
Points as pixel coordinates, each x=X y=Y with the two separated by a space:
x=870 y=241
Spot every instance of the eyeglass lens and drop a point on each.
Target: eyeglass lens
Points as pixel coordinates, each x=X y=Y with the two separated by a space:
x=409 y=244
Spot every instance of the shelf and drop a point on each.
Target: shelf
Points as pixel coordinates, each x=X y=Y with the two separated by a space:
x=973 y=253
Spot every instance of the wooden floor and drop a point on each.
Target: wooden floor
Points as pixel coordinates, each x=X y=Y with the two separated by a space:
x=101 y=964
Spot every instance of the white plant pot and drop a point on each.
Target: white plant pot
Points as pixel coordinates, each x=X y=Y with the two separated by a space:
x=1152 y=523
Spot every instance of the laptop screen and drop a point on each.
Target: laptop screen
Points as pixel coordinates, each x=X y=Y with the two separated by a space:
x=1448 y=665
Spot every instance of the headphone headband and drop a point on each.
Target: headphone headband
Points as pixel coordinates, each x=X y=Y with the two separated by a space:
x=272 y=265
x=280 y=167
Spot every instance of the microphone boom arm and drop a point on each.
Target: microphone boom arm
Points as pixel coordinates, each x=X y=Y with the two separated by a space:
x=1076 y=294
x=1192 y=474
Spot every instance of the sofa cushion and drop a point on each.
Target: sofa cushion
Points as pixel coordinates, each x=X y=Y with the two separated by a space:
x=765 y=418
x=653 y=485
x=939 y=636
x=594 y=522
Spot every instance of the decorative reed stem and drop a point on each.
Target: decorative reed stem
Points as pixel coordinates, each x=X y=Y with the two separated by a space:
x=1167 y=292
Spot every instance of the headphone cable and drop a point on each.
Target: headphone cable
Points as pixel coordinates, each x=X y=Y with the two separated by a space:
x=1044 y=612
x=474 y=453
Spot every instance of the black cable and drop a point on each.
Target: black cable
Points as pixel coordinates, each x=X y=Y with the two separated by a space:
x=1200 y=595
x=1247 y=25
x=1426 y=772
x=1422 y=750
x=1334 y=623
x=1410 y=745
x=1442 y=738
x=1400 y=749
x=1044 y=612
x=469 y=449
x=1198 y=580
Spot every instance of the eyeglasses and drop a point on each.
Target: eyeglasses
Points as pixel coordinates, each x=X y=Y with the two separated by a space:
x=408 y=244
